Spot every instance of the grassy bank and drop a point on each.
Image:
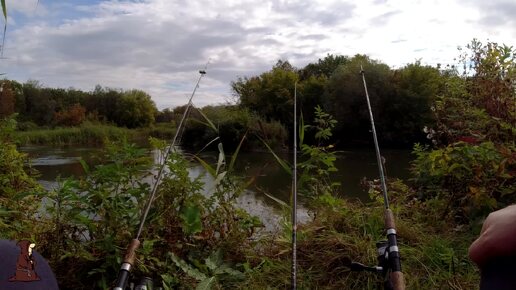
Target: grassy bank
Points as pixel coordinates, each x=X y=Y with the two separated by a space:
x=434 y=252
x=89 y=133
x=208 y=241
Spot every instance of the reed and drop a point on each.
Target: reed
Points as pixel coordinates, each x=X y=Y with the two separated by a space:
x=85 y=134
x=91 y=133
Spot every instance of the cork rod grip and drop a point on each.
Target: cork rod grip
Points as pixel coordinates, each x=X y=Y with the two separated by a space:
x=397 y=280
x=130 y=255
x=389 y=219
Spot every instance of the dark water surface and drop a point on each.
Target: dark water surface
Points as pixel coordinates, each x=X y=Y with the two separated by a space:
x=52 y=162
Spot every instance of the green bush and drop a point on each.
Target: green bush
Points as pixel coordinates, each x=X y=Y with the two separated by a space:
x=26 y=126
x=19 y=200
x=473 y=179
x=230 y=124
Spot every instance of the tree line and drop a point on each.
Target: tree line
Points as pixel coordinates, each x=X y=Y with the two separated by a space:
x=400 y=98
x=403 y=100
x=43 y=106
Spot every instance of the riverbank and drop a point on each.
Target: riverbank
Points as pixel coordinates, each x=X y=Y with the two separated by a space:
x=91 y=134
x=197 y=239
x=433 y=250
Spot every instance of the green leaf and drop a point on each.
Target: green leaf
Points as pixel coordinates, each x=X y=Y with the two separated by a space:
x=225 y=269
x=4 y=9
x=235 y=154
x=280 y=161
x=5 y=212
x=22 y=195
x=205 y=284
x=209 y=143
x=219 y=178
x=168 y=281
x=82 y=220
x=189 y=270
x=301 y=130
x=222 y=159
x=191 y=217
x=206 y=166
x=210 y=123
x=85 y=166
x=147 y=246
x=214 y=260
x=279 y=201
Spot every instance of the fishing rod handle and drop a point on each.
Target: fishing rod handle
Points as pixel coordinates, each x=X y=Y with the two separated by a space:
x=397 y=280
x=396 y=276
x=125 y=269
x=389 y=219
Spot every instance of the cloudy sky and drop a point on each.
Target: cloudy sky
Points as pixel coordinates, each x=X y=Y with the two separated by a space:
x=159 y=45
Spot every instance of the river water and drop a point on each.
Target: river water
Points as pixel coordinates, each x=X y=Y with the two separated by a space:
x=52 y=162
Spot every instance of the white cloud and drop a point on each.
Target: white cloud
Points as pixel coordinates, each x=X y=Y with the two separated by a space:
x=26 y=7
x=158 y=45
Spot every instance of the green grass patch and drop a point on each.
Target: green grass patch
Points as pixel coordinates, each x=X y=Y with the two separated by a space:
x=89 y=133
x=85 y=134
x=433 y=257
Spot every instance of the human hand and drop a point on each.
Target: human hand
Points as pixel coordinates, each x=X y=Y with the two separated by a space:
x=497 y=237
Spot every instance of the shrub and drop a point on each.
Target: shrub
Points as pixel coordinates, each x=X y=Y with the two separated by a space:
x=473 y=179
x=230 y=124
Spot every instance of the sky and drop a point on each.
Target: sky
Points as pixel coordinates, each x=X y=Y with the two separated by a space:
x=159 y=45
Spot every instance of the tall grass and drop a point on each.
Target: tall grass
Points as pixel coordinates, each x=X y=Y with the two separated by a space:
x=90 y=133
x=86 y=134
x=433 y=256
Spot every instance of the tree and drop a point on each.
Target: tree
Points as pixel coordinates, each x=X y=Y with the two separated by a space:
x=471 y=167
x=323 y=67
x=345 y=98
x=270 y=94
x=39 y=104
x=493 y=84
x=135 y=109
x=408 y=111
x=20 y=104
x=72 y=116
x=479 y=104
x=7 y=100
x=165 y=116
x=310 y=94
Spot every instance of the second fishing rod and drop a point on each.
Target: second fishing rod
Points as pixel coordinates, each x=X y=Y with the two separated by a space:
x=130 y=256
x=388 y=251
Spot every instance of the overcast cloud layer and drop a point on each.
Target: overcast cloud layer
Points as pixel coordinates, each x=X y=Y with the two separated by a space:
x=159 y=45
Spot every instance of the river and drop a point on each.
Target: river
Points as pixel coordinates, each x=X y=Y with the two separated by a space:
x=52 y=162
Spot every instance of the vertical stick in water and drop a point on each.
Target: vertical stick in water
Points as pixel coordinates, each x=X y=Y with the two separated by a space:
x=294 y=197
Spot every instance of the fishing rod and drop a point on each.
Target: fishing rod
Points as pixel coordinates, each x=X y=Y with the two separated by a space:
x=130 y=256
x=388 y=252
x=294 y=199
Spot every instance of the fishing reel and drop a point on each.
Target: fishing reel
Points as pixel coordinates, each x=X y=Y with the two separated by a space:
x=382 y=248
x=143 y=283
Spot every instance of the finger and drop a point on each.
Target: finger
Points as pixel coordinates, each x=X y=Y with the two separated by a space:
x=476 y=254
